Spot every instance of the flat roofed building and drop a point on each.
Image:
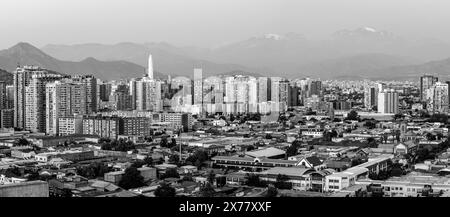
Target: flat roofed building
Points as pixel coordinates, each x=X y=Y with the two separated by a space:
x=25 y=189
x=271 y=152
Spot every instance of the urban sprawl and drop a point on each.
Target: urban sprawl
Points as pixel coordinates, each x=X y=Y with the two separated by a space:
x=222 y=136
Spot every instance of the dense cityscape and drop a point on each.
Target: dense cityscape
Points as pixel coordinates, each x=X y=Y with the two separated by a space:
x=222 y=136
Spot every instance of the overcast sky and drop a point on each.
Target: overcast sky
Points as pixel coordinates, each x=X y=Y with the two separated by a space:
x=208 y=23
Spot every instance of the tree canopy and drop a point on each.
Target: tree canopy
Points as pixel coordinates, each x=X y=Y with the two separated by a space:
x=117 y=145
x=131 y=179
x=165 y=190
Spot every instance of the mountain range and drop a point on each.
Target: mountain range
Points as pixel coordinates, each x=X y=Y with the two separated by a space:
x=362 y=53
x=26 y=54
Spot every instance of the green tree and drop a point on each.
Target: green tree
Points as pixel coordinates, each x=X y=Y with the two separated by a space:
x=198 y=158
x=138 y=163
x=93 y=170
x=32 y=176
x=148 y=160
x=174 y=159
x=371 y=142
x=221 y=181
x=431 y=137
x=282 y=182
x=21 y=142
x=293 y=148
x=116 y=145
x=370 y=124
x=207 y=190
x=254 y=180
x=132 y=178
x=271 y=191
x=165 y=190
x=163 y=142
x=211 y=177
x=352 y=115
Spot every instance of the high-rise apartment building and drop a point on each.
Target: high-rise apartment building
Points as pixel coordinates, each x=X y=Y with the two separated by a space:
x=148 y=95
x=9 y=98
x=437 y=98
x=3 y=95
x=6 y=118
x=388 y=102
x=213 y=94
x=122 y=98
x=21 y=79
x=294 y=96
x=264 y=89
x=426 y=82
x=35 y=102
x=198 y=86
x=64 y=98
x=370 y=97
x=91 y=91
x=315 y=88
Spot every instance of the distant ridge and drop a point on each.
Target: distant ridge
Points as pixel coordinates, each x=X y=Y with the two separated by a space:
x=26 y=54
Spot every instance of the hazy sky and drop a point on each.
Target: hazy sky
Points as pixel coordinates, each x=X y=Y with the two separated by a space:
x=211 y=22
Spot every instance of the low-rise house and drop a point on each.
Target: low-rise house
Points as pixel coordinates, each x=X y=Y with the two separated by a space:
x=312 y=162
x=237 y=178
x=188 y=169
x=148 y=173
x=10 y=180
x=405 y=148
x=61 y=185
x=385 y=148
x=23 y=154
x=114 y=177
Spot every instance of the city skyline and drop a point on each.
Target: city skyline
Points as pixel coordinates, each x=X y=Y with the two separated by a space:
x=304 y=99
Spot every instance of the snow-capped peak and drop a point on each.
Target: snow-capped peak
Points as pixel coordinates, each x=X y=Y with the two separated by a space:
x=273 y=36
x=369 y=29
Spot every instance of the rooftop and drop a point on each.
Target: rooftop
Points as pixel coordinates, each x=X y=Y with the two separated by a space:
x=268 y=152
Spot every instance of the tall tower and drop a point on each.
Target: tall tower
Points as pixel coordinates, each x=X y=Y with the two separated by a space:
x=198 y=86
x=150 y=67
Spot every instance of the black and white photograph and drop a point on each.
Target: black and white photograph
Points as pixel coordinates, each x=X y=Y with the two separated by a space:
x=242 y=101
